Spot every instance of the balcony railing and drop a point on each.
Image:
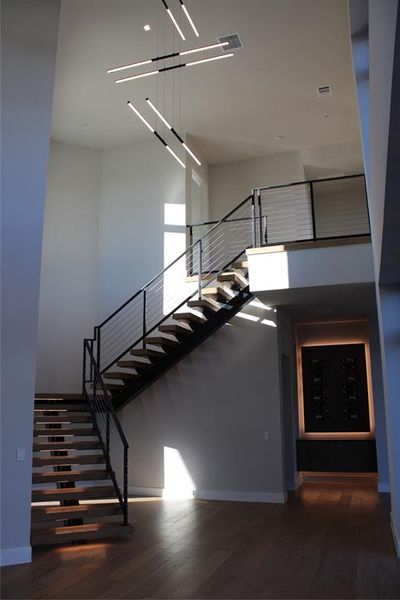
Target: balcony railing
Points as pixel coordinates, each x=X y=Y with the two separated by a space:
x=306 y=211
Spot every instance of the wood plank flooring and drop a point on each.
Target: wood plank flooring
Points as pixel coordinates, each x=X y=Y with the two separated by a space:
x=329 y=541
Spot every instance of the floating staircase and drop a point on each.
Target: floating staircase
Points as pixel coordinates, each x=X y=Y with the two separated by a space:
x=74 y=497
x=180 y=334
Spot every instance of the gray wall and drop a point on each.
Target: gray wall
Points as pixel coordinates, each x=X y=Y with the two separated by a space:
x=68 y=294
x=29 y=41
x=136 y=182
x=214 y=407
x=230 y=183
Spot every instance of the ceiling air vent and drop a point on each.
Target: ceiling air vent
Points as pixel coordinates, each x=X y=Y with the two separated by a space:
x=233 y=40
x=324 y=90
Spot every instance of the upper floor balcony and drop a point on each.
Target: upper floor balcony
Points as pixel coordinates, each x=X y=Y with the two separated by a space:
x=304 y=234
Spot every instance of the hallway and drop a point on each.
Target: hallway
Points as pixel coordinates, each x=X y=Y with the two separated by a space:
x=329 y=541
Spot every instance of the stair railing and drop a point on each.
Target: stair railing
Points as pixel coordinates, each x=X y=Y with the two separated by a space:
x=169 y=291
x=108 y=428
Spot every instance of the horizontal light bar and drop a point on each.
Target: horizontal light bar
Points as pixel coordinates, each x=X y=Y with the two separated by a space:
x=203 y=48
x=158 y=136
x=124 y=79
x=204 y=60
x=189 y=64
x=171 y=16
x=165 y=56
x=123 y=67
x=189 y=18
x=164 y=120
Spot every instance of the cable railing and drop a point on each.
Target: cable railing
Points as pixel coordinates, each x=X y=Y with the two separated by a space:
x=170 y=290
x=108 y=428
x=306 y=211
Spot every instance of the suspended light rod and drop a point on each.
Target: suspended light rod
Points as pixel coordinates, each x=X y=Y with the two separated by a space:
x=166 y=56
x=171 y=16
x=189 y=64
x=158 y=136
x=189 y=18
x=176 y=134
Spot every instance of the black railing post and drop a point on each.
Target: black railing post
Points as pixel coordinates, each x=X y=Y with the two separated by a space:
x=260 y=227
x=144 y=317
x=97 y=336
x=200 y=268
x=125 y=485
x=91 y=362
x=84 y=369
x=108 y=431
x=314 y=229
x=265 y=230
x=253 y=220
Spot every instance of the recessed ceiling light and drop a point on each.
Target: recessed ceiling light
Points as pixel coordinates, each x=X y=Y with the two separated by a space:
x=147 y=28
x=279 y=137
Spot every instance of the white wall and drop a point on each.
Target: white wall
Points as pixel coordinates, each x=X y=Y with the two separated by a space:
x=29 y=42
x=214 y=407
x=289 y=269
x=230 y=183
x=68 y=294
x=136 y=182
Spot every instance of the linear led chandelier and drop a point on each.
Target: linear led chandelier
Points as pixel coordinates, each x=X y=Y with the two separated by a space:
x=189 y=64
x=178 y=137
x=166 y=56
x=158 y=136
x=189 y=18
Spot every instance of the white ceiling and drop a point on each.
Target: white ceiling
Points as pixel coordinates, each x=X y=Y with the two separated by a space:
x=234 y=107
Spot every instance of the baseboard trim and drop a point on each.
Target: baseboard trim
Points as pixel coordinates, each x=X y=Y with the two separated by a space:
x=396 y=536
x=237 y=496
x=293 y=486
x=15 y=556
x=384 y=488
x=145 y=491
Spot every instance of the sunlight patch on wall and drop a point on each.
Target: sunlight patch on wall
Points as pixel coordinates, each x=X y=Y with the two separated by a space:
x=178 y=483
x=175 y=214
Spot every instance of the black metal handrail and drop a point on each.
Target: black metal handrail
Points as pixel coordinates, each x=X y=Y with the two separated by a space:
x=106 y=423
x=144 y=311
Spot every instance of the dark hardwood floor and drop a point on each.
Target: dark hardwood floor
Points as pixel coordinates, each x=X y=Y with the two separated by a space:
x=328 y=541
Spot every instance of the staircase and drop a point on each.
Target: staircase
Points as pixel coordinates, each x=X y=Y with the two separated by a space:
x=74 y=496
x=182 y=332
x=201 y=290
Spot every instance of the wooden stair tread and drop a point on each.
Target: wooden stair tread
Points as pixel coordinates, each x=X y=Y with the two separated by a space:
x=147 y=352
x=43 y=514
x=75 y=493
x=66 y=445
x=51 y=432
x=178 y=328
x=133 y=364
x=87 y=475
x=70 y=418
x=119 y=375
x=219 y=290
x=83 y=459
x=59 y=535
x=205 y=303
x=189 y=316
x=239 y=279
x=161 y=341
x=41 y=406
